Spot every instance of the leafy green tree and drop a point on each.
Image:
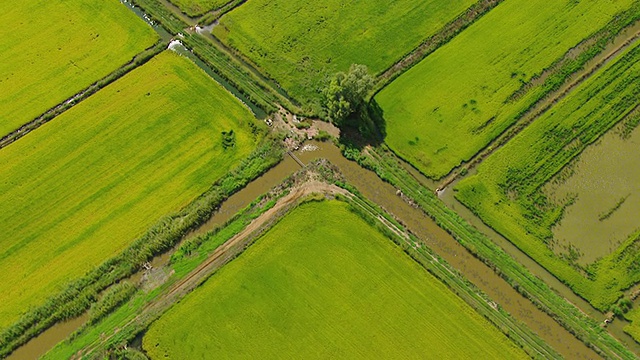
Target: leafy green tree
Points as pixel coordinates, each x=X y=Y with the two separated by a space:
x=345 y=93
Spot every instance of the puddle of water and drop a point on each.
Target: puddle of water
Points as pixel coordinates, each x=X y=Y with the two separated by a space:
x=42 y=343
x=605 y=179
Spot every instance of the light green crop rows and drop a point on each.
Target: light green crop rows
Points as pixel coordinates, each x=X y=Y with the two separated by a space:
x=51 y=50
x=198 y=7
x=454 y=102
x=506 y=192
x=85 y=185
x=298 y=43
x=323 y=283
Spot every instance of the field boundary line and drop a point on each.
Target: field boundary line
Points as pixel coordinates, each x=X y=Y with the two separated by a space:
x=226 y=252
x=538 y=109
x=67 y=104
x=447 y=33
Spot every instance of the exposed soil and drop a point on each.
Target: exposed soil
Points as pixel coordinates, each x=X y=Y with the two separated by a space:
x=223 y=254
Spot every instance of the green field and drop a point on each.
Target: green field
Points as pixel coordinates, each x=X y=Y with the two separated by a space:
x=82 y=187
x=299 y=43
x=51 y=50
x=198 y=7
x=323 y=284
x=454 y=102
x=507 y=191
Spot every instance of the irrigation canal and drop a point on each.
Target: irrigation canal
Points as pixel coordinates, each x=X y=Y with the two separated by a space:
x=372 y=187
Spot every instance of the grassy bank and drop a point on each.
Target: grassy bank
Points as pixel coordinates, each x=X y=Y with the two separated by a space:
x=153 y=142
x=507 y=190
x=317 y=266
x=53 y=50
x=300 y=43
x=195 y=8
x=387 y=166
x=447 y=108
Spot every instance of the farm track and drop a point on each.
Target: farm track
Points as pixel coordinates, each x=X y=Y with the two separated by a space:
x=446 y=34
x=51 y=114
x=541 y=107
x=223 y=254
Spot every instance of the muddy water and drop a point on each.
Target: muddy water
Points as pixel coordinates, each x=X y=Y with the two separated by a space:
x=384 y=194
x=164 y=34
x=39 y=345
x=444 y=245
x=441 y=242
x=608 y=197
x=615 y=329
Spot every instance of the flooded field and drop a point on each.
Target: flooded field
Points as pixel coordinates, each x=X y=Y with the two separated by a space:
x=603 y=183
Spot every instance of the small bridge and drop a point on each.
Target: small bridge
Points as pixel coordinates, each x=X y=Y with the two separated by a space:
x=295 y=158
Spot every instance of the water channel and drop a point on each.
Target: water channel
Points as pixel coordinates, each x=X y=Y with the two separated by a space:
x=372 y=187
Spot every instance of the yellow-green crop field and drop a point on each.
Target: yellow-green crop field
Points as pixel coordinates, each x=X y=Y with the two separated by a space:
x=454 y=102
x=323 y=283
x=51 y=50
x=198 y=7
x=81 y=188
x=298 y=43
x=507 y=191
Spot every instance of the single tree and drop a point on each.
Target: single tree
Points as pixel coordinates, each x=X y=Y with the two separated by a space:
x=345 y=93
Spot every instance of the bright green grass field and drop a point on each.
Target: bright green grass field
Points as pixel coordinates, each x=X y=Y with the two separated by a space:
x=82 y=187
x=324 y=284
x=454 y=102
x=198 y=7
x=507 y=191
x=51 y=50
x=299 y=42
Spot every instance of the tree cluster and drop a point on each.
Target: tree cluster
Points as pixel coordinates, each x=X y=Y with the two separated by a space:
x=346 y=93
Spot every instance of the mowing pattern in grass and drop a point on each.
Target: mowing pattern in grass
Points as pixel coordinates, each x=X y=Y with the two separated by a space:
x=51 y=50
x=298 y=43
x=323 y=283
x=85 y=185
x=198 y=7
x=455 y=101
x=506 y=192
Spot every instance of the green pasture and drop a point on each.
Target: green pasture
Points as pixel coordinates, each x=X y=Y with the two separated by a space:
x=51 y=50
x=454 y=102
x=198 y=7
x=299 y=43
x=633 y=329
x=324 y=284
x=85 y=185
x=507 y=191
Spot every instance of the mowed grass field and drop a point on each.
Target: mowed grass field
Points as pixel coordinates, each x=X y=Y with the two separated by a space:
x=323 y=283
x=82 y=187
x=198 y=7
x=454 y=102
x=51 y=50
x=507 y=191
x=298 y=43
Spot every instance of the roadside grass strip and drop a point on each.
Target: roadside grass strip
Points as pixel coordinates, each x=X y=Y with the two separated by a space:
x=299 y=43
x=323 y=282
x=506 y=193
x=52 y=50
x=85 y=185
x=454 y=102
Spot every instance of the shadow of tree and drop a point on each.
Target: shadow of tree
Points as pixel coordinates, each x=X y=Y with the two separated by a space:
x=364 y=128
